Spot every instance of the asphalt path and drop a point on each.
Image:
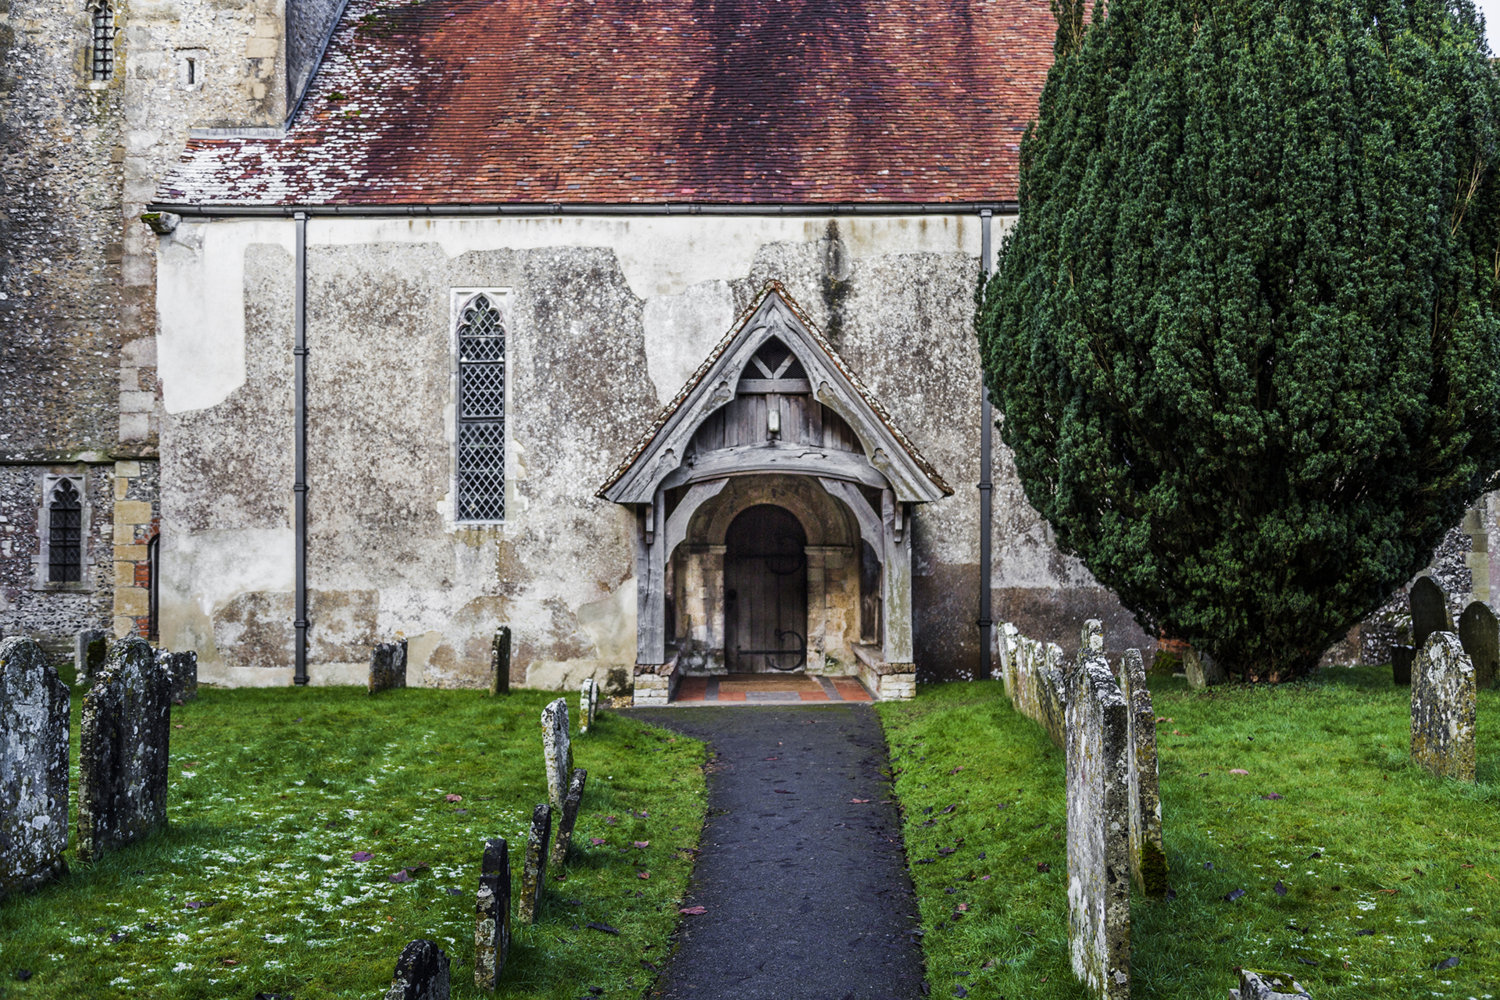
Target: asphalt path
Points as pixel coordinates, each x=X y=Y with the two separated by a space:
x=802 y=874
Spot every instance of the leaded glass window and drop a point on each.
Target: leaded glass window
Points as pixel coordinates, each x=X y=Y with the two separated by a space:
x=64 y=534
x=102 y=43
x=480 y=486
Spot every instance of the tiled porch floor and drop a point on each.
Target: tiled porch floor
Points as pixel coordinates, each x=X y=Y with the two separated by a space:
x=769 y=689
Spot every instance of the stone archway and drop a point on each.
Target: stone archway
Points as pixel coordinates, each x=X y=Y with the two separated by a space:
x=765 y=591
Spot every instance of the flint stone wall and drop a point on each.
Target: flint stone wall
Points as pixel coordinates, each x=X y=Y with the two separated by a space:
x=33 y=767
x=122 y=757
x=492 y=914
x=1443 y=708
x=1098 y=738
x=1148 y=861
x=421 y=973
x=557 y=751
x=1034 y=681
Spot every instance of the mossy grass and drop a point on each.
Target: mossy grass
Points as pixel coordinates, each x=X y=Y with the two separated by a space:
x=254 y=886
x=1388 y=872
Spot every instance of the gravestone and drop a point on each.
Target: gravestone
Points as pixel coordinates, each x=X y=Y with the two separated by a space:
x=421 y=973
x=588 y=703
x=1429 y=611
x=1098 y=763
x=563 y=839
x=1148 y=862
x=122 y=751
x=492 y=914
x=1268 y=986
x=557 y=751
x=388 y=666
x=500 y=661
x=33 y=767
x=1091 y=638
x=1479 y=632
x=1202 y=670
x=1401 y=660
x=90 y=647
x=534 y=867
x=1443 y=708
x=183 y=669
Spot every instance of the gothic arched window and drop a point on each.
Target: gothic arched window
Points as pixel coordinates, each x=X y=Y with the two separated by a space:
x=479 y=490
x=64 y=533
x=102 y=40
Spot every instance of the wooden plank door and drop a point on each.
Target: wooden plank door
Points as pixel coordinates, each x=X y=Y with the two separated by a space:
x=765 y=591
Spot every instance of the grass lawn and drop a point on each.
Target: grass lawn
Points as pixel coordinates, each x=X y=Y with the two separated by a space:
x=254 y=887
x=1388 y=873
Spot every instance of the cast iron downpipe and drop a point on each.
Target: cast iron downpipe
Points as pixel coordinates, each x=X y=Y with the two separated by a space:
x=299 y=437
x=986 y=487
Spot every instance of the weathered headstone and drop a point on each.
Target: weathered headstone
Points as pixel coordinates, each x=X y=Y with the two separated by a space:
x=1098 y=761
x=421 y=973
x=122 y=753
x=588 y=703
x=1148 y=862
x=562 y=839
x=90 y=647
x=534 y=867
x=1091 y=638
x=183 y=669
x=388 y=666
x=1429 y=611
x=1443 y=708
x=1202 y=669
x=1268 y=986
x=1479 y=632
x=1401 y=660
x=492 y=914
x=557 y=751
x=33 y=767
x=500 y=661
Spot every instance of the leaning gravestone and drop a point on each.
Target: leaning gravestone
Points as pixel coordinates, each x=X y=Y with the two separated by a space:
x=492 y=914
x=1479 y=632
x=534 y=867
x=388 y=666
x=1443 y=708
x=183 y=668
x=557 y=751
x=1401 y=660
x=1098 y=734
x=421 y=973
x=564 y=836
x=1429 y=611
x=1202 y=669
x=122 y=751
x=1148 y=862
x=33 y=767
x=90 y=647
x=500 y=661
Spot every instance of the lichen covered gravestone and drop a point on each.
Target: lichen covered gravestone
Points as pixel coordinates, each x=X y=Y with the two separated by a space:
x=1429 y=611
x=588 y=703
x=33 y=767
x=1202 y=670
x=1098 y=829
x=1443 y=708
x=90 y=647
x=1268 y=986
x=1148 y=862
x=534 y=867
x=492 y=914
x=183 y=668
x=563 y=839
x=500 y=661
x=421 y=973
x=1479 y=632
x=388 y=666
x=557 y=751
x=122 y=753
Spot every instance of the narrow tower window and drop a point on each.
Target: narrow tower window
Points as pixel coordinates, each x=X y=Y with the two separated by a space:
x=65 y=534
x=102 y=44
x=480 y=487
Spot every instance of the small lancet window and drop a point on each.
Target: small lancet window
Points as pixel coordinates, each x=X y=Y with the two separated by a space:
x=102 y=42
x=480 y=487
x=65 y=534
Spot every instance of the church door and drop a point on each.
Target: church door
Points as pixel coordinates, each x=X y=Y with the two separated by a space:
x=765 y=591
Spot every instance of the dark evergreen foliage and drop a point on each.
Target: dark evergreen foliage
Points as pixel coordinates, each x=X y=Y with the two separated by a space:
x=1246 y=332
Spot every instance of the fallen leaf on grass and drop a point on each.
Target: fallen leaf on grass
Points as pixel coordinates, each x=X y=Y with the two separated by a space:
x=400 y=876
x=1364 y=933
x=597 y=841
x=453 y=798
x=956 y=769
x=1232 y=896
x=1043 y=866
x=1238 y=770
x=640 y=845
x=642 y=874
x=198 y=904
x=1448 y=963
x=594 y=925
x=1272 y=796
x=1388 y=892
x=693 y=911
x=361 y=856
x=1280 y=888
x=949 y=809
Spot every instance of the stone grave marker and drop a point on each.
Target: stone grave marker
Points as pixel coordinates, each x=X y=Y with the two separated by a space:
x=500 y=661
x=1429 y=611
x=33 y=767
x=388 y=666
x=534 y=867
x=492 y=914
x=1401 y=660
x=1268 y=986
x=588 y=703
x=421 y=973
x=90 y=647
x=1098 y=787
x=122 y=753
x=1479 y=632
x=183 y=668
x=1202 y=670
x=563 y=838
x=1443 y=708
x=1091 y=638
x=557 y=751
x=1148 y=862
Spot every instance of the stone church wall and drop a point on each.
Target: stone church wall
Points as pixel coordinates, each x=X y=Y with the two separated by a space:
x=607 y=319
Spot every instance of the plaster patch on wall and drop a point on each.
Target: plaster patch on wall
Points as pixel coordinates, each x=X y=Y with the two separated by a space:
x=681 y=330
x=611 y=625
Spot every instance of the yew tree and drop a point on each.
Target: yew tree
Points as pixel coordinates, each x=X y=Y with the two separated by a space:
x=1245 y=334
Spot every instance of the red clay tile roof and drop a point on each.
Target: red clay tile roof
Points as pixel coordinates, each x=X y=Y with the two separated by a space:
x=737 y=102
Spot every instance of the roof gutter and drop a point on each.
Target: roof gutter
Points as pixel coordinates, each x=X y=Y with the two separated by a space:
x=188 y=210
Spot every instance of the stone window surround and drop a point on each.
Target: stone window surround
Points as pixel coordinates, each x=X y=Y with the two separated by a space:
x=42 y=563
x=91 y=56
x=459 y=297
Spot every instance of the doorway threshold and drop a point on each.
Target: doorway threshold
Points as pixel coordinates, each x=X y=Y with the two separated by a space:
x=769 y=689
